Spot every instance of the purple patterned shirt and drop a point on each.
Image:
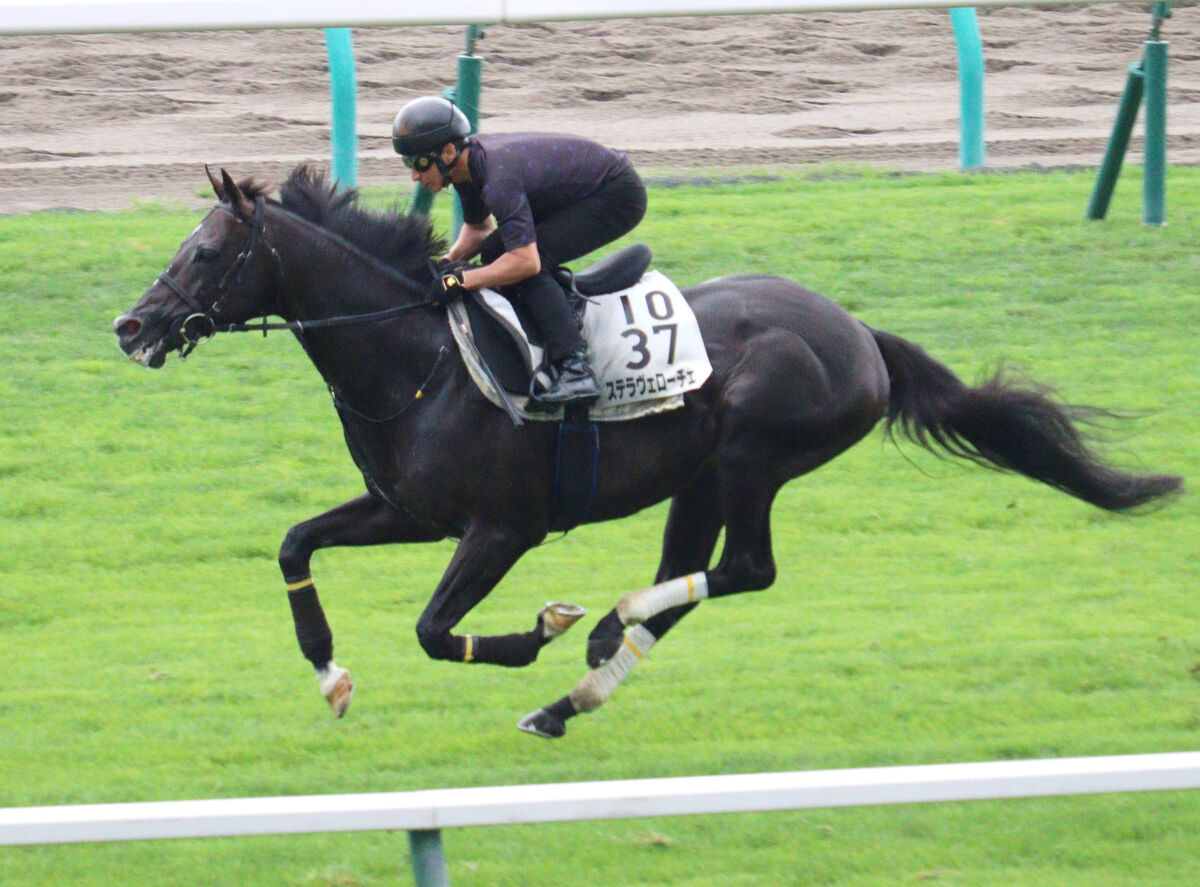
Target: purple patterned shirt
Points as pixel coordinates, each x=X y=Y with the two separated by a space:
x=522 y=177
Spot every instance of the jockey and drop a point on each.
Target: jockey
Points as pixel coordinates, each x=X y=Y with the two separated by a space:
x=530 y=202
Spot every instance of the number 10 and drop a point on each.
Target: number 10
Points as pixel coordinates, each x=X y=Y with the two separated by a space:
x=660 y=308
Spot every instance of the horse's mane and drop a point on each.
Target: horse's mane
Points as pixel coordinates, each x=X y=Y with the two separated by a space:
x=403 y=241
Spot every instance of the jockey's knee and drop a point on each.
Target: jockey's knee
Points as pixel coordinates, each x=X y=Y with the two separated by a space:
x=437 y=642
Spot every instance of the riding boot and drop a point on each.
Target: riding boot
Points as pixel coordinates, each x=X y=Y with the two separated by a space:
x=574 y=382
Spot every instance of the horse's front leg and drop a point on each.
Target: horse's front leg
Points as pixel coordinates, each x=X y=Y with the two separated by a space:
x=366 y=520
x=484 y=555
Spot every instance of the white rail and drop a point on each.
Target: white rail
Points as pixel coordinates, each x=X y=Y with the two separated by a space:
x=519 y=804
x=95 y=16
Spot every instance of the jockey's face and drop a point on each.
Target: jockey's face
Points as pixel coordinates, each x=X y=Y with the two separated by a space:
x=431 y=177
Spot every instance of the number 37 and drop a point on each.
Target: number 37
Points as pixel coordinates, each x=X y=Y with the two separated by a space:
x=659 y=306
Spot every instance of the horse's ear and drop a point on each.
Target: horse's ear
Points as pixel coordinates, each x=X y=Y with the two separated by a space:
x=235 y=197
x=218 y=188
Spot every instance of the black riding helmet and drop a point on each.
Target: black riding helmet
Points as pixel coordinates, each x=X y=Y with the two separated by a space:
x=425 y=125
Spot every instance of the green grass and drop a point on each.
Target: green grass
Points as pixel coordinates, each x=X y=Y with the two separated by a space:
x=926 y=611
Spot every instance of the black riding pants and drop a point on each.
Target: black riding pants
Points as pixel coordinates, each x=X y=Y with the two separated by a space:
x=613 y=210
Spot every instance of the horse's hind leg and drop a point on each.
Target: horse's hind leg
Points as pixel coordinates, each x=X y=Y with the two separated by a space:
x=746 y=488
x=754 y=462
x=365 y=520
x=693 y=526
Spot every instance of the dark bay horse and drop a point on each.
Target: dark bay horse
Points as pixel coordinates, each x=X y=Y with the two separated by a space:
x=796 y=381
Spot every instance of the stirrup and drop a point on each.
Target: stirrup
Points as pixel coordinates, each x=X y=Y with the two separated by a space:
x=557 y=394
x=584 y=398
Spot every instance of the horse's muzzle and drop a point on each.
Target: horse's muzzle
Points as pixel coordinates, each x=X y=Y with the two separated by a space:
x=139 y=343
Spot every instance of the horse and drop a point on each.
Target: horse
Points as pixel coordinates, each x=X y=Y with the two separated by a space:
x=795 y=382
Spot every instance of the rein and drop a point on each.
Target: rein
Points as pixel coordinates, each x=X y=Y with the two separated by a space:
x=210 y=326
x=299 y=326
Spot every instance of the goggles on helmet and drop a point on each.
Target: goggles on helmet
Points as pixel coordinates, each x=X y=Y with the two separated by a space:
x=419 y=162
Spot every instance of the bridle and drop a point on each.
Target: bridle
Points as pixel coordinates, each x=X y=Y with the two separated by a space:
x=201 y=325
x=206 y=324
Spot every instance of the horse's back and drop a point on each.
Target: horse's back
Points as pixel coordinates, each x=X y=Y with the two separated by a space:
x=785 y=355
x=739 y=309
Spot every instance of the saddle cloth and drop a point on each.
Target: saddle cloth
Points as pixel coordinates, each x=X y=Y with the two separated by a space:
x=644 y=346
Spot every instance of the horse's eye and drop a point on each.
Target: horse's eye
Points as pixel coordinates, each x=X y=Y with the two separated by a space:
x=207 y=254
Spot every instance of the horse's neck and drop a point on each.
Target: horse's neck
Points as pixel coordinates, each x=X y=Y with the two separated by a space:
x=322 y=280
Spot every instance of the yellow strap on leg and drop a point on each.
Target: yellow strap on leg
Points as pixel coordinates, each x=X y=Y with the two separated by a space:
x=469 y=648
x=299 y=584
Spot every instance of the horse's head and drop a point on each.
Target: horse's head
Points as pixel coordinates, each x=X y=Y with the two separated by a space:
x=224 y=272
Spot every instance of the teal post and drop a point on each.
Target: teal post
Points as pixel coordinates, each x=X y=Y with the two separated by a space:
x=465 y=94
x=970 y=86
x=343 y=91
x=1154 y=176
x=428 y=859
x=1118 y=143
x=421 y=202
x=1148 y=79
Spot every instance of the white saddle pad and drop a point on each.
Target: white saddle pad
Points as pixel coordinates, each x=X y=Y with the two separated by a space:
x=644 y=346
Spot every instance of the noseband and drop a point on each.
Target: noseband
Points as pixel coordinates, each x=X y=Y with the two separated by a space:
x=200 y=326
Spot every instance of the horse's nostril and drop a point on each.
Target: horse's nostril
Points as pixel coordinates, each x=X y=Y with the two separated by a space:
x=127 y=327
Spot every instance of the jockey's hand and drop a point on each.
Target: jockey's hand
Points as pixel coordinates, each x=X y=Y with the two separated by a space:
x=451 y=283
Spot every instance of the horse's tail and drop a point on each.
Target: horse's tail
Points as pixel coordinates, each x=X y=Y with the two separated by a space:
x=1006 y=426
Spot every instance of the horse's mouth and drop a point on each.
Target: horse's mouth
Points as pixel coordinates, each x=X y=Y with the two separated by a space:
x=151 y=356
x=142 y=345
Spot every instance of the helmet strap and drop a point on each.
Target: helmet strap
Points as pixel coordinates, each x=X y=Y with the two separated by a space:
x=443 y=167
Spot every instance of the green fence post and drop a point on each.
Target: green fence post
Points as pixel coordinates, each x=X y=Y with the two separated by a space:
x=970 y=87
x=1118 y=142
x=428 y=859
x=1147 y=78
x=421 y=202
x=1154 y=174
x=343 y=135
x=465 y=94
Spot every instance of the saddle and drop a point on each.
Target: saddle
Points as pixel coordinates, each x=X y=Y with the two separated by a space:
x=508 y=340
x=644 y=344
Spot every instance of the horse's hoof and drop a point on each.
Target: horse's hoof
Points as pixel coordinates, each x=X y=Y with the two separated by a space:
x=605 y=640
x=542 y=723
x=556 y=617
x=337 y=689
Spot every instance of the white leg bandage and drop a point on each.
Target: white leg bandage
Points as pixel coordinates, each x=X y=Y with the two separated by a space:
x=598 y=684
x=640 y=605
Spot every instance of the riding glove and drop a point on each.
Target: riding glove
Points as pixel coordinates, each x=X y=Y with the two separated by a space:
x=451 y=280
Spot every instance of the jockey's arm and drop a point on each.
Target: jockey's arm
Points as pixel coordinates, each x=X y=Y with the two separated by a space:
x=511 y=267
x=470 y=240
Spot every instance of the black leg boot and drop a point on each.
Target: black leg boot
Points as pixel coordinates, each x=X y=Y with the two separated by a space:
x=573 y=383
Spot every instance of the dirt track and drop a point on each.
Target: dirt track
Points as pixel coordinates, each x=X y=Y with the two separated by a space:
x=100 y=121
